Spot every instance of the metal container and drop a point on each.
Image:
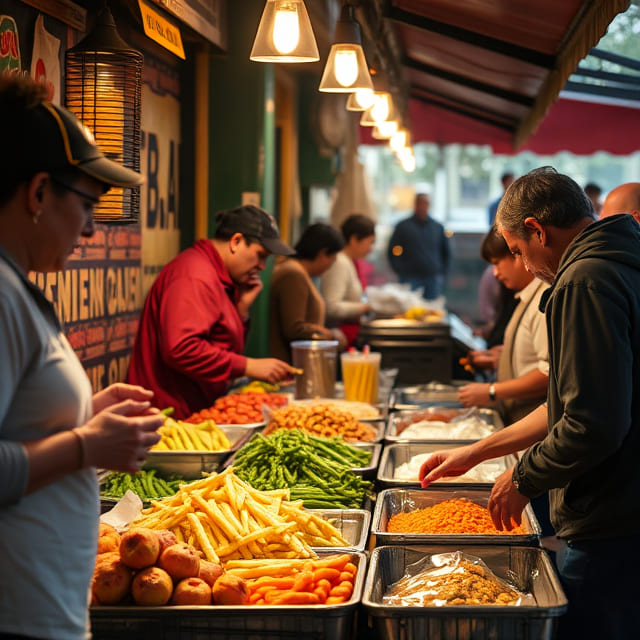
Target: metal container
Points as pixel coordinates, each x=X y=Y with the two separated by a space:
x=431 y=393
x=242 y=622
x=191 y=464
x=369 y=472
x=317 y=360
x=392 y=501
x=530 y=566
x=394 y=430
x=353 y=525
x=400 y=453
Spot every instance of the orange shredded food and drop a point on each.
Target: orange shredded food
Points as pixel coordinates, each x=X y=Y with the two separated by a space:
x=457 y=515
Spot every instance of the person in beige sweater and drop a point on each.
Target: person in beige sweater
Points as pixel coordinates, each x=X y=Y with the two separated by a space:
x=296 y=308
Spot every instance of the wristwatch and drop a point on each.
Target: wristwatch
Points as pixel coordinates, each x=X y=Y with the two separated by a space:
x=492 y=391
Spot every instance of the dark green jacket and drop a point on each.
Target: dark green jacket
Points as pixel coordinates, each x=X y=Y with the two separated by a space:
x=590 y=460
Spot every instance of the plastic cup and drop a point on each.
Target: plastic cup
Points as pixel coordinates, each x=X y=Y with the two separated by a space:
x=360 y=373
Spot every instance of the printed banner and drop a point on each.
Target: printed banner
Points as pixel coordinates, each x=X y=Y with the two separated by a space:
x=45 y=63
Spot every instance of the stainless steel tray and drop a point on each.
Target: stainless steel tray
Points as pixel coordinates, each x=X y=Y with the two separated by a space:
x=529 y=565
x=353 y=525
x=392 y=501
x=394 y=433
x=394 y=455
x=375 y=448
x=429 y=393
x=246 y=622
x=191 y=464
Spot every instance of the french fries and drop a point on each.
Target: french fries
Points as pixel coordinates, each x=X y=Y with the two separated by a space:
x=227 y=519
x=184 y=436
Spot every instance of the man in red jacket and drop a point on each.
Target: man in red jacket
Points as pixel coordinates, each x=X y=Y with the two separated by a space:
x=195 y=318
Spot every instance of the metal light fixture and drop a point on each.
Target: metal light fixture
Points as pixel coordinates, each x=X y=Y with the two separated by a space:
x=284 y=34
x=346 y=70
x=103 y=88
x=384 y=130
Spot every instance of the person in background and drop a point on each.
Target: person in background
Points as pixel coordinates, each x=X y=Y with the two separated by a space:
x=195 y=319
x=341 y=286
x=53 y=431
x=594 y=193
x=495 y=306
x=585 y=443
x=522 y=362
x=296 y=308
x=506 y=180
x=419 y=252
x=623 y=199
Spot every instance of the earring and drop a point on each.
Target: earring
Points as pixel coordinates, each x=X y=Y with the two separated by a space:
x=36 y=216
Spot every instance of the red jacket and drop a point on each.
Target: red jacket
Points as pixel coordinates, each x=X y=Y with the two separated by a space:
x=191 y=336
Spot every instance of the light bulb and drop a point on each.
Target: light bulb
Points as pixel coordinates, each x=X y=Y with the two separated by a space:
x=398 y=140
x=381 y=108
x=364 y=98
x=286 y=28
x=346 y=67
x=388 y=128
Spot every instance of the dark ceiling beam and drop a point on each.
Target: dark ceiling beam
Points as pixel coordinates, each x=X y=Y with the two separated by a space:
x=417 y=89
x=508 y=49
x=599 y=90
x=461 y=111
x=623 y=61
x=607 y=76
x=470 y=83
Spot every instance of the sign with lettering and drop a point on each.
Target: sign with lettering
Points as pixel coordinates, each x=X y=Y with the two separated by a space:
x=161 y=30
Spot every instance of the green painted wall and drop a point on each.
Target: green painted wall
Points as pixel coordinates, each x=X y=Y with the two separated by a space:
x=242 y=142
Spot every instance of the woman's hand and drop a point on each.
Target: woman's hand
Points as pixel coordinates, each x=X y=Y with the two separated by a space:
x=119 y=392
x=119 y=437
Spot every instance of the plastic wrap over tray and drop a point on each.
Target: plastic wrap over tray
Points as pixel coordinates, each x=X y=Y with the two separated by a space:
x=241 y=622
x=394 y=432
x=191 y=464
x=392 y=501
x=399 y=453
x=529 y=567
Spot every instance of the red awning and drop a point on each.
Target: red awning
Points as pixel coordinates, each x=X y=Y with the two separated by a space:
x=569 y=125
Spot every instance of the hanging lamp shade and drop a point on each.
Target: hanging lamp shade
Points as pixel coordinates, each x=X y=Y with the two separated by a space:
x=384 y=130
x=103 y=88
x=284 y=34
x=360 y=100
x=346 y=69
x=382 y=109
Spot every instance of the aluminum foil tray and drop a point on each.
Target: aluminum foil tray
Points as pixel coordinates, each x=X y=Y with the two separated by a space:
x=394 y=455
x=530 y=566
x=392 y=501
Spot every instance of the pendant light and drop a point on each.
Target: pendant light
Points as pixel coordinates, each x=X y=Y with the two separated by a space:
x=285 y=34
x=360 y=100
x=382 y=109
x=346 y=70
x=103 y=88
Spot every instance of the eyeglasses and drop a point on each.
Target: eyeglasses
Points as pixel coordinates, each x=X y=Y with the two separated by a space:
x=83 y=194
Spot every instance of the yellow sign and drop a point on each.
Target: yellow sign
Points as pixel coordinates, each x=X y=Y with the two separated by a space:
x=161 y=30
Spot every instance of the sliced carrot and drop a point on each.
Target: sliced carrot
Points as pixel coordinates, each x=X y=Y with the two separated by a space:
x=337 y=561
x=254 y=597
x=303 y=581
x=335 y=600
x=297 y=597
x=342 y=590
x=322 y=594
x=326 y=573
x=351 y=568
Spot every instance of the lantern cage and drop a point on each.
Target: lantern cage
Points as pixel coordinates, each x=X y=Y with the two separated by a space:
x=103 y=88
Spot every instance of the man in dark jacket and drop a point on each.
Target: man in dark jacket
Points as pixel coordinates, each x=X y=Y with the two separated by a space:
x=585 y=445
x=419 y=252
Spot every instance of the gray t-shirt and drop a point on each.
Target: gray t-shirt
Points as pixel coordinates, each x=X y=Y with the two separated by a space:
x=48 y=539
